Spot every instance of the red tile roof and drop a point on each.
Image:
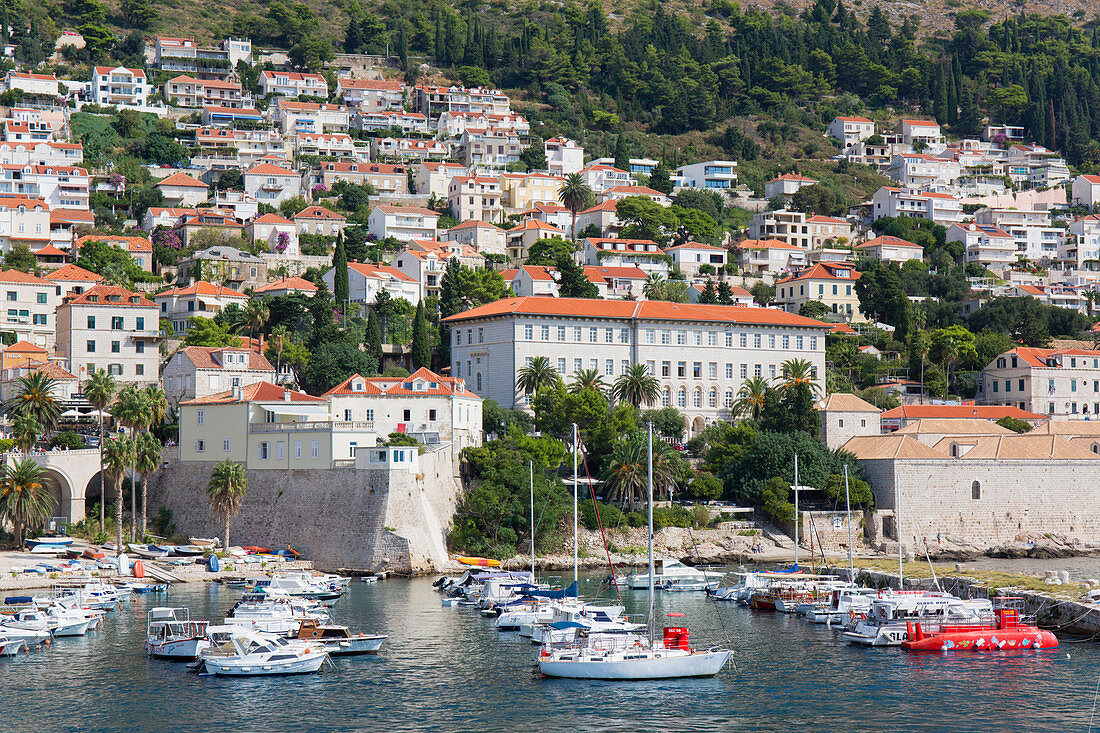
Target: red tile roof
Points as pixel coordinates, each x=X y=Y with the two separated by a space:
x=367 y=269
x=318 y=212
x=183 y=180
x=258 y=392
x=643 y=309
x=824 y=271
x=25 y=347
x=344 y=388
x=982 y=412
x=102 y=294
x=15 y=276
x=133 y=244
x=888 y=241
x=764 y=244
x=272 y=219
x=266 y=169
x=287 y=283
x=202 y=287
x=203 y=357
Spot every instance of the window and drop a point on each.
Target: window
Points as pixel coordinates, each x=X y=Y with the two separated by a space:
x=728 y=399
x=624 y=366
x=39 y=319
x=712 y=338
x=666 y=369
x=786 y=341
x=624 y=335
x=744 y=341
x=666 y=337
x=681 y=369
x=91 y=321
x=370 y=415
x=666 y=398
x=139 y=370
x=314 y=447
x=729 y=339
x=90 y=347
x=545 y=333
x=528 y=332
x=116 y=347
x=681 y=338
x=297 y=449
x=200 y=446
x=347 y=415
x=798 y=342
x=756 y=370
x=609 y=367
x=609 y=336
x=263 y=451
x=578 y=364
x=42 y=298
x=139 y=347
x=225 y=444
x=681 y=398
x=458 y=337
x=116 y=323
x=712 y=398
x=561 y=365
x=593 y=334
x=1095 y=386
x=744 y=371
x=280 y=449
x=756 y=341
x=976 y=490
x=561 y=333
x=729 y=371
x=995 y=385
x=431 y=415
x=406 y=415
x=771 y=341
x=697 y=398
x=650 y=336
x=697 y=338
x=697 y=369
x=577 y=333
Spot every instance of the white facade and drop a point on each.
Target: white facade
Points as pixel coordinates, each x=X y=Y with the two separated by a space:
x=290 y=84
x=850 y=130
x=563 y=156
x=110 y=328
x=787 y=184
x=709 y=175
x=403 y=222
x=1061 y=383
x=434 y=178
x=475 y=197
x=939 y=207
x=199 y=371
x=120 y=86
x=366 y=281
x=29 y=304
x=1085 y=191
x=270 y=184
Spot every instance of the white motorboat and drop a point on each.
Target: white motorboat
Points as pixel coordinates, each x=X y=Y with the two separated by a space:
x=294 y=586
x=893 y=612
x=95 y=595
x=600 y=657
x=238 y=652
x=594 y=618
x=35 y=620
x=32 y=637
x=338 y=640
x=10 y=645
x=667 y=571
x=274 y=617
x=530 y=613
x=748 y=583
x=844 y=603
x=171 y=634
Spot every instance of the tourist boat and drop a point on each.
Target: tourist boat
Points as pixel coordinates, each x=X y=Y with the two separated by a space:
x=237 y=652
x=337 y=640
x=671 y=657
x=892 y=614
x=171 y=634
x=1007 y=630
x=669 y=571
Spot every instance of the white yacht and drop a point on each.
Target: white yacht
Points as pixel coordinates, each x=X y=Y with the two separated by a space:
x=171 y=634
x=591 y=617
x=338 y=640
x=274 y=617
x=35 y=620
x=10 y=645
x=238 y=652
x=886 y=624
x=670 y=571
x=843 y=604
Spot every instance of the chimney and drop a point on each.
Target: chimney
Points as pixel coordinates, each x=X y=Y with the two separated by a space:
x=286 y=395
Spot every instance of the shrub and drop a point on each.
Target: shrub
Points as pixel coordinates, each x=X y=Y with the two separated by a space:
x=67 y=440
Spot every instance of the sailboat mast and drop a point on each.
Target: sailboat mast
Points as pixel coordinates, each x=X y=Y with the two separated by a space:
x=796 y=522
x=531 y=471
x=575 y=447
x=649 y=502
x=848 y=502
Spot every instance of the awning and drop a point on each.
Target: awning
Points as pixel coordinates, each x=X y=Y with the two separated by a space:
x=300 y=410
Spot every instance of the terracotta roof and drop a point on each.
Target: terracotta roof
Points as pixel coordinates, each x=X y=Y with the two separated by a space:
x=872 y=447
x=367 y=269
x=447 y=386
x=473 y=224
x=1016 y=447
x=793 y=177
x=635 y=190
x=72 y=272
x=257 y=392
x=1074 y=428
x=182 y=179
x=845 y=402
x=765 y=244
x=1037 y=357
x=133 y=244
x=287 y=283
x=318 y=212
x=25 y=347
x=984 y=412
x=272 y=219
x=344 y=388
x=103 y=294
x=202 y=287
x=50 y=369
x=695 y=245
x=266 y=169
x=842 y=328
x=371 y=84
x=419 y=210
x=887 y=240
x=921 y=123
x=824 y=271
x=853 y=119
x=50 y=251
x=1090 y=178
x=71 y=216
x=628 y=273
x=535 y=225
x=947 y=426
x=15 y=276
x=643 y=309
x=203 y=357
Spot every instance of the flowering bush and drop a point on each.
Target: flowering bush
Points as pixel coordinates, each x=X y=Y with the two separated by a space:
x=281 y=242
x=318 y=190
x=167 y=238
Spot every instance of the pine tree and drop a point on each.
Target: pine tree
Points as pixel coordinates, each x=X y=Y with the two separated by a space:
x=341 y=288
x=421 y=339
x=708 y=295
x=572 y=282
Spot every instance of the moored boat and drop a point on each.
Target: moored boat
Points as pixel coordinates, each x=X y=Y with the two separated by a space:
x=1007 y=630
x=171 y=634
x=237 y=652
x=338 y=641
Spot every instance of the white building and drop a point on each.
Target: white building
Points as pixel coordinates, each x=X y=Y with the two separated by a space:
x=366 y=281
x=25 y=221
x=41 y=152
x=487 y=238
x=923 y=171
x=1082 y=250
x=187 y=91
x=700 y=354
x=941 y=208
x=111 y=328
x=271 y=185
x=409 y=122
x=891 y=249
x=601 y=177
x=523 y=236
x=182 y=190
x=279 y=233
x=1030 y=230
x=850 y=130
x=787 y=184
x=183 y=55
x=770 y=257
x=618 y=193
x=642 y=253
x=293 y=85
x=293 y=118
x=1061 y=383
x=709 y=175
x=319 y=220
x=689 y=257
x=197 y=300
x=32 y=85
x=403 y=222
x=29 y=304
x=924 y=134
x=985 y=244
x=200 y=371
x=120 y=86
x=1085 y=191
x=371 y=95
x=434 y=178
x=563 y=156
x=475 y=197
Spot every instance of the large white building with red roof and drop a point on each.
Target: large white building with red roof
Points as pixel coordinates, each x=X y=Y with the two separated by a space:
x=403 y=223
x=120 y=86
x=111 y=328
x=200 y=371
x=293 y=85
x=271 y=184
x=371 y=94
x=768 y=257
x=1059 y=383
x=28 y=308
x=690 y=256
x=182 y=190
x=700 y=354
x=850 y=130
x=642 y=253
x=485 y=237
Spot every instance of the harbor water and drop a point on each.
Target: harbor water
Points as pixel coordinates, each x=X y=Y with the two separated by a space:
x=448 y=669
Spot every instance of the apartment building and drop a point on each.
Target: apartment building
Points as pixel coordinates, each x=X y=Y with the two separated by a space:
x=111 y=328
x=1085 y=191
x=277 y=232
x=120 y=86
x=1030 y=230
x=689 y=257
x=41 y=152
x=434 y=101
x=386 y=119
x=271 y=184
x=434 y=178
x=641 y=253
x=225 y=264
x=403 y=222
x=23 y=220
x=985 y=244
x=29 y=304
x=139 y=248
x=601 y=177
x=850 y=130
x=492 y=148
x=70 y=279
x=241 y=148
x=319 y=220
x=523 y=236
x=371 y=95
x=522 y=191
x=184 y=55
x=829 y=283
x=923 y=134
x=453 y=124
x=700 y=354
x=563 y=156
x=941 y=208
x=286 y=286
x=768 y=257
x=485 y=237
x=1059 y=383
x=891 y=249
x=618 y=193
x=782 y=225
x=293 y=85
x=787 y=184
x=57 y=186
x=475 y=197
x=200 y=371
x=385 y=178
x=32 y=85
x=293 y=118
x=367 y=280
x=1081 y=250
x=410 y=149
x=218 y=116
x=604 y=216
x=187 y=91
x=182 y=190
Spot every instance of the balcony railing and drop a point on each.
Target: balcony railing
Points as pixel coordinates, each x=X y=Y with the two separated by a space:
x=366 y=426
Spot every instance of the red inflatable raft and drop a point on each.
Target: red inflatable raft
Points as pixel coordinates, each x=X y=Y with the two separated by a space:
x=1008 y=631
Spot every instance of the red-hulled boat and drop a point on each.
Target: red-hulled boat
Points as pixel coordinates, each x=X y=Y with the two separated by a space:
x=1007 y=630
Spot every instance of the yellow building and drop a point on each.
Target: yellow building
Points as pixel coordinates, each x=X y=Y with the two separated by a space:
x=522 y=191
x=830 y=283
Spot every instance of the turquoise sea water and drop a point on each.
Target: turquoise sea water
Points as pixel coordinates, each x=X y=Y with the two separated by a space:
x=447 y=669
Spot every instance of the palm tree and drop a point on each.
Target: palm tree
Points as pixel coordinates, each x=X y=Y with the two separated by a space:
x=798 y=372
x=626 y=475
x=537 y=375
x=253 y=317
x=587 y=379
x=34 y=398
x=228 y=484
x=1090 y=296
x=99 y=390
x=24 y=499
x=574 y=195
x=157 y=403
x=279 y=338
x=117 y=455
x=751 y=397
x=636 y=386
x=146 y=460
x=25 y=429
x=135 y=412
x=654 y=285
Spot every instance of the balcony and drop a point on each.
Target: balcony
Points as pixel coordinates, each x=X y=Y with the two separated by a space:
x=288 y=427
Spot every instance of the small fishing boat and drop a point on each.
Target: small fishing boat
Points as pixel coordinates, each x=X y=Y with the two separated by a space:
x=92 y=553
x=338 y=640
x=171 y=634
x=149 y=552
x=40 y=621
x=1007 y=630
x=235 y=582
x=238 y=652
x=256 y=550
x=204 y=541
x=183 y=550
x=10 y=646
x=56 y=543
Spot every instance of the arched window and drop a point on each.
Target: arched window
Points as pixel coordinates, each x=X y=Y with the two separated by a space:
x=1095 y=448
x=976 y=490
x=712 y=398
x=681 y=397
x=954 y=450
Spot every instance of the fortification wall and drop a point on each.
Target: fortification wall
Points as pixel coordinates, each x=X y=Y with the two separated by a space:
x=360 y=519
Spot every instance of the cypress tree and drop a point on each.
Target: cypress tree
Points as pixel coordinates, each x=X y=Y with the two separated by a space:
x=341 y=288
x=939 y=97
x=622 y=156
x=421 y=340
x=952 y=98
x=374 y=337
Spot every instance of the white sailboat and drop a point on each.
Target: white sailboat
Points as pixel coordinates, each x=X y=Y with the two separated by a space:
x=634 y=658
